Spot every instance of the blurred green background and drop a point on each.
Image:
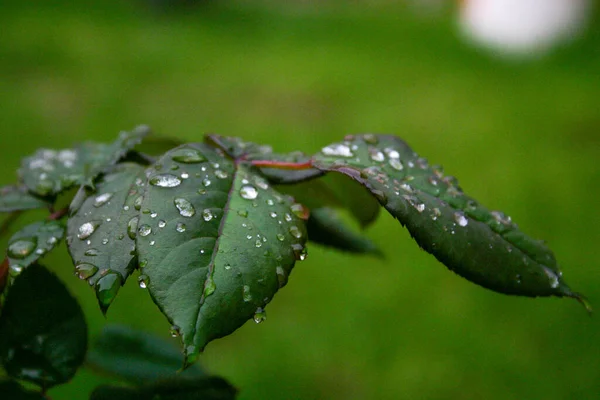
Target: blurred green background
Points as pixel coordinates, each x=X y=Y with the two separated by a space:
x=523 y=137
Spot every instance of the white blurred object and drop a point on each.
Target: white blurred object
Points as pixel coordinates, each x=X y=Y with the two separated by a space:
x=522 y=27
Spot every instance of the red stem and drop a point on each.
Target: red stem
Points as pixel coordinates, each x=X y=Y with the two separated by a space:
x=282 y=164
x=58 y=214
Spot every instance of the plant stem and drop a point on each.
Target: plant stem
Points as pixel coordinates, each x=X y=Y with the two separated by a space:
x=58 y=214
x=282 y=164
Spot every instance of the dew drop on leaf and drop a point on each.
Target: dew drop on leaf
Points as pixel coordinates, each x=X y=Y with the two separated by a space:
x=282 y=276
x=340 y=150
x=207 y=215
x=295 y=232
x=132 y=227
x=162 y=223
x=143 y=281
x=186 y=209
x=300 y=211
x=145 y=230
x=220 y=174
x=86 y=229
x=396 y=164
x=188 y=156
x=91 y=252
x=175 y=331
x=165 y=180
x=246 y=293
x=460 y=218
x=102 y=199
x=21 y=248
x=243 y=213
x=280 y=237
x=299 y=251
x=85 y=270
x=260 y=315
x=248 y=192
x=206 y=182
x=180 y=227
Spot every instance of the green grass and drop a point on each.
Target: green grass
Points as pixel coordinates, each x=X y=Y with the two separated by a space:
x=521 y=137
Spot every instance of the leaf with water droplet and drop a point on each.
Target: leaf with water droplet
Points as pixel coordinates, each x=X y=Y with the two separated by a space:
x=201 y=261
x=49 y=172
x=485 y=247
x=17 y=198
x=101 y=238
x=31 y=243
x=326 y=227
x=43 y=334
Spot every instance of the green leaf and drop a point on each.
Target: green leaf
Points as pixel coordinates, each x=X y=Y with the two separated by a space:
x=325 y=227
x=17 y=198
x=227 y=242
x=137 y=356
x=31 y=243
x=43 y=335
x=483 y=246
x=49 y=172
x=101 y=230
x=208 y=388
x=12 y=390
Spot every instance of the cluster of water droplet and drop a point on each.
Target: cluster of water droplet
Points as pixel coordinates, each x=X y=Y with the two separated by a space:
x=31 y=243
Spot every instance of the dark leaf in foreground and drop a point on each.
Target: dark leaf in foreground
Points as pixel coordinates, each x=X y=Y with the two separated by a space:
x=11 y=390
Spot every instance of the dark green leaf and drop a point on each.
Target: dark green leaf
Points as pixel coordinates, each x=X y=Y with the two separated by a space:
x=138 y=357
x=11 y=390
x=43 y=335
x=238 y=149
x=208 y=388
x=49 y=172
x=324 y=226
x=31 y=243
x=101 y=230
x=226 y=243
x=16 y=198
x=483 y=246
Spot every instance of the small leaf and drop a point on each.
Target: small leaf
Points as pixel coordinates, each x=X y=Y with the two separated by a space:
x=12 y=390
x=228 y=243
x=137 y=356
x=17 y=198
x=49 y=172
x=43 y=335
x=208 y=388
x=102 y=229
x=481 y=245
x=31 y=243
x=325 y=227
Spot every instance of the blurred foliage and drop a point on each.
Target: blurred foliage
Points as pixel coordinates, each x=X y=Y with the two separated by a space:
x=522 y=137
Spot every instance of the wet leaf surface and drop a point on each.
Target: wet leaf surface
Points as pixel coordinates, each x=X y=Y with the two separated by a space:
x=17 y=198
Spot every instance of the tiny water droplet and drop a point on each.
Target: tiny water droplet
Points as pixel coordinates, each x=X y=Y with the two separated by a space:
x=435 y=213
x=165 y=180
x=227 y=266
x=102 y=199
x=143 y=281
x=287 y=217
x=186 y=209
x=460 y=218
x=300 y=252
x=376 y=155
x=105 y=241
x=260 y=315
x=175 y=331
x=299 y=211
x=91 y=252
x=162 y=223
x=86 y=229
x=243 y=213
x=221 y=174
x=206 y=182
x=152 y=243
x=280 y=237
x=258 y=243
x=137 y=203
x=21 y=248
x=85 y=270
x=144 y=230
x=184 y=175
x=207 y=215
x=270 y=202
x=180 y=227
x=396 y=164
x=248 y=192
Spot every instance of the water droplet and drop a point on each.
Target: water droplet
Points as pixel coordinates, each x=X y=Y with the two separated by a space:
x=207 y=215
x=299 y=211
x=153 y=215
x=201 y=191
x=15 y=269
x=273 y=214
x=370 y=138
x=260 y=315
x=186 y=209
x=376 y=155
x=391 y=153
x=206 y=182
x=221 y=174
x=554 y=280
x=102 y=199
x=91 y=252
x=258 y=243
x=187 y=156
x=261 y=183
x=152 y=243
x=184 y=175
x=86 y=229
x=396 y=164
x=145 y=230
x=280 y=237
x=180 y=227
x=132 y=227
x=227 y=266
x=300 y=252
x=243 y=213
x=340 y=150
x=295 y=232
x=85 y=270
x=248 y=192
x=460 y=218
x=287 y=217
x=105 y=241
x=165 y=180
x=175 y=331
x=209 y=286
x=162 y=223
x=246 y=294
x=107 y=288
x=143 y=281
x=435 y=213
x=52 y=240
x=282 y=276
x=21 y=248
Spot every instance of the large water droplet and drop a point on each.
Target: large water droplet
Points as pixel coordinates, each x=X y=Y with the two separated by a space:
x=248 y=192
x=376 y=155
x=300 y=252
x=102 y=199
x=186 y=209
x=21 y=248
x=91 y=252
x=460 y=218
x=300 y=211
x=145 y=230
x=207 y=215
x=132 y=227
x=260 y=315
x=86 y=229
x=85 y=270
x=187 y=156
x=246 y=293
x=107 y=288
x=282 y=276
x=295 y=232
x=340 y=150
x=165 y=180
x=143 y=281
x=137 y=203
